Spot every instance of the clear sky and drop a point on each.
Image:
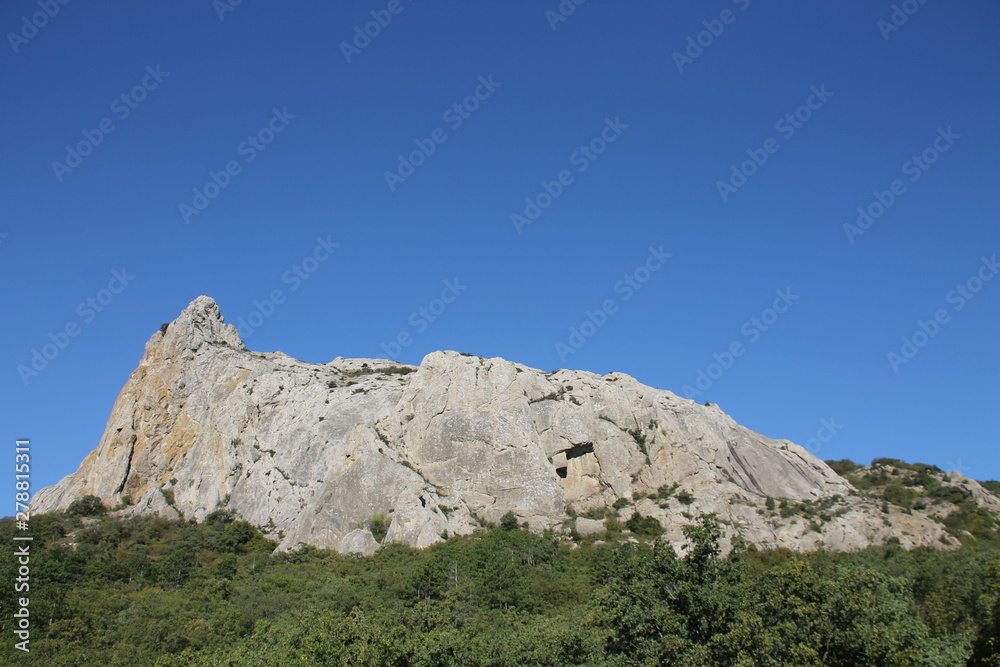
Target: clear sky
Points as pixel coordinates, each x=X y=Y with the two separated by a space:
x=669 y=190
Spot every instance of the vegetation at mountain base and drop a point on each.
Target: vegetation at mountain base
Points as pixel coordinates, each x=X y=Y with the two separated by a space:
x=918 y=487
x=150 y=591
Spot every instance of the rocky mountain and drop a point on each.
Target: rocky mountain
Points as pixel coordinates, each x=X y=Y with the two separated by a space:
x=358 y=452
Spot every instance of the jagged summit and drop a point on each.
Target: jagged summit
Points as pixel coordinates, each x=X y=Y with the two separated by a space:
x=310 y=452
x=201 y=322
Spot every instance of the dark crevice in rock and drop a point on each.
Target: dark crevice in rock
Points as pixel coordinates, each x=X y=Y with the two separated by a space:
x=744 y=469
x=576 y=451
x=128 y=465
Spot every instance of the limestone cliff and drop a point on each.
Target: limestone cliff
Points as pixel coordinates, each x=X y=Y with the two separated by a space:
x=310 y=452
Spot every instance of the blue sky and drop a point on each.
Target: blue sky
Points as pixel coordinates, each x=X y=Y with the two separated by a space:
x=203 y=148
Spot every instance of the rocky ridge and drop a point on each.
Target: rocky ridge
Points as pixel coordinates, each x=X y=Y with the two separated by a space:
x=311 y=452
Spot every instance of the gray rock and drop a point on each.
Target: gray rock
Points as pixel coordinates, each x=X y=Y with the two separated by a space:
x=310 y=452
x=359 y=541
x=585 y=527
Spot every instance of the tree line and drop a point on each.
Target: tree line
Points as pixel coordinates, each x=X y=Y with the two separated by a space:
x=150 y=591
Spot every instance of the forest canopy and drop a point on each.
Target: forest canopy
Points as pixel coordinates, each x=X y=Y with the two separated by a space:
x=150 y=591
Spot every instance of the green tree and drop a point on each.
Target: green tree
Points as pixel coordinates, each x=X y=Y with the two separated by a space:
x=645 y=526
x=634 y=606
x=86 y=506
x=509 y=521
x=987 y=645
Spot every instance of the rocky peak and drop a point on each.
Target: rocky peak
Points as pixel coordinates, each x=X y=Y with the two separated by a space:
x=199 y=324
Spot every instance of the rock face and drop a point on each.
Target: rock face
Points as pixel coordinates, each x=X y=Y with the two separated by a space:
x=312 y=452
